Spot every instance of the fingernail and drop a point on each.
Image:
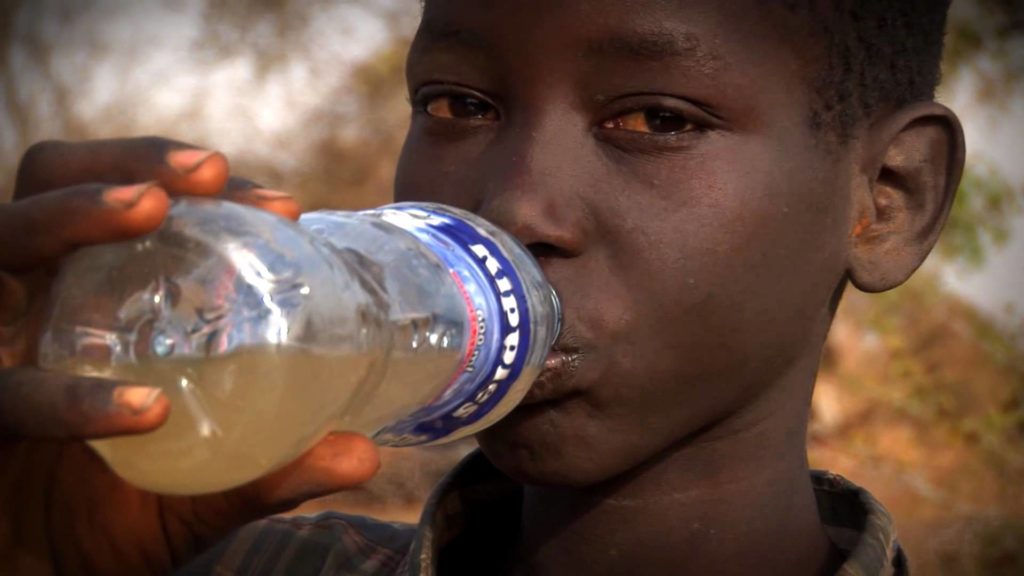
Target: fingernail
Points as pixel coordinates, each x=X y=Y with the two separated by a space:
x=135 y=399
x=188 y=160
x=126 y=196
x=267 y=194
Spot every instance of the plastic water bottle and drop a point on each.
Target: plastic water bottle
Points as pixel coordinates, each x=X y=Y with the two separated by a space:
x=412 y=323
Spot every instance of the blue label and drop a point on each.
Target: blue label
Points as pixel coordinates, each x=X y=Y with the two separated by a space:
x=498 y=339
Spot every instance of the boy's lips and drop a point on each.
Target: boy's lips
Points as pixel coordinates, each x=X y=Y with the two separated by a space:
x=555 y=379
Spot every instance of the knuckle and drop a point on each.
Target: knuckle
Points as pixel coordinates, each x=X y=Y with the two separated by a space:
x=153 y=142
x=238 y=184
x=158 y=146
x=37 y=153
x=79 y=401
x=155 y=147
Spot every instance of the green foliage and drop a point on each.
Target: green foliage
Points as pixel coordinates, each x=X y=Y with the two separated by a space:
x=986 y=37
x=981 y=217
x=992 y=545
x=985 y=40
x=946 y=365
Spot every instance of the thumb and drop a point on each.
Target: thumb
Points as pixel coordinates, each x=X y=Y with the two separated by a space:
x=338 y=462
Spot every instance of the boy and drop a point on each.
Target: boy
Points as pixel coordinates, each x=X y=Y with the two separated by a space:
x=700 y=180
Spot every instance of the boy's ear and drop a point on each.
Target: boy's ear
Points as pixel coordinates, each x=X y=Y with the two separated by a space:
x=913 y=159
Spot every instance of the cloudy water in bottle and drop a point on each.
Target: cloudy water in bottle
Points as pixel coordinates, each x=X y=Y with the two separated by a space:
x=412 y=323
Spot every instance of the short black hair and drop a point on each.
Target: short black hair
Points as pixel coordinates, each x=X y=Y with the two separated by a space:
x=879 y=55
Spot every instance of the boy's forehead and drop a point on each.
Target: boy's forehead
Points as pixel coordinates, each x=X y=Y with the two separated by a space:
x=702 y=31
x=699 y=48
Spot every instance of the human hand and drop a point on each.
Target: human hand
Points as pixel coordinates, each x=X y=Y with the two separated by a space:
x=61 y=509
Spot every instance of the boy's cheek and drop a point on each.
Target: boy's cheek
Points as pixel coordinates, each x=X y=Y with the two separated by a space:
x=432 y=171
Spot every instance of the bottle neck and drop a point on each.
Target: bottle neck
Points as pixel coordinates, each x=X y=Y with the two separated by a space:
x=497 y=336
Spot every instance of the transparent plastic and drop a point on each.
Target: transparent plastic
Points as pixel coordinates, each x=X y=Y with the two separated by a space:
x=413 y=323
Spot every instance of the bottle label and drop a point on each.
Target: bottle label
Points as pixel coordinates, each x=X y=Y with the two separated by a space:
x=498 y=339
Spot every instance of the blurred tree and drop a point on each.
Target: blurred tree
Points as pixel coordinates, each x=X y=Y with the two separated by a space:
x=982 y=216
x=354 y=134
x=984 y=49
x=355 y=155
x=986 y=37
x=305 y=120
x=30 y=101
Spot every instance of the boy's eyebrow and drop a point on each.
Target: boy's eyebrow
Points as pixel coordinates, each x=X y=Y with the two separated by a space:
x=653 y=46
x=434 y=35
x=650 y=45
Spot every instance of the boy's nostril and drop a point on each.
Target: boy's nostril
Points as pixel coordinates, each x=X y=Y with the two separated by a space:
x=542 y=250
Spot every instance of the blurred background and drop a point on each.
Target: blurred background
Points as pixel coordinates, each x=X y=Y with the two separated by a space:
x=921 y=395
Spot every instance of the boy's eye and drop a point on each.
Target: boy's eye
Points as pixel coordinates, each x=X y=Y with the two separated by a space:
x=460 y=107
x=651 y=121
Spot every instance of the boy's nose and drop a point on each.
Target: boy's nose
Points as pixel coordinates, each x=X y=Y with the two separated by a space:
x=537 y=193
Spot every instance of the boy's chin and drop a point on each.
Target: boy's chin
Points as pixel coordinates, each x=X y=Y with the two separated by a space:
x=535 y=454
x=547 y=468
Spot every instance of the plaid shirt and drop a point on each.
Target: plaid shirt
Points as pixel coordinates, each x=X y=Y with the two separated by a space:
x=472 y=511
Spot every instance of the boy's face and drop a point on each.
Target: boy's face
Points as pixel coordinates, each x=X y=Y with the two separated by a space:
x=657 y=156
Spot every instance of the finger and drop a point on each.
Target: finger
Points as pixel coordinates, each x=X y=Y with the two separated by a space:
x=181 y=169
x=238 y=184
x=47 y=226
x=338 y=462
x=341 y=461
x=247 y=192
x=39 y=404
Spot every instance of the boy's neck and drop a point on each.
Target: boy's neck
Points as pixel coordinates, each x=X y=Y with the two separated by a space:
x=737 y=499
